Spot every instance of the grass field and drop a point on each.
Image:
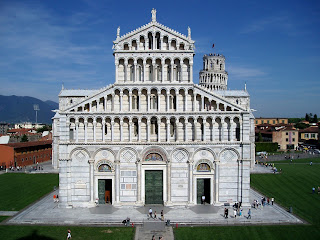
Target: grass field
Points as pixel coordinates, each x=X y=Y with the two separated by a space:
x=291 y=188
x=55 y=233
x=18 y=190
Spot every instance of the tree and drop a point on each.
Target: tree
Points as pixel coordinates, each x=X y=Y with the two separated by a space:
x=260 y=139
x=44 y=128
x=307 y=118
x=24 y=138
x=315 y=118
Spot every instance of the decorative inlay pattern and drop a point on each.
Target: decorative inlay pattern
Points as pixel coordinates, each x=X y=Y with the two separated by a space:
x=80 y=156
x=180 y=156
x=228 y=155
x=128 y=155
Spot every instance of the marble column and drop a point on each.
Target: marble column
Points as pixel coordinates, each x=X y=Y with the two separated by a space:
x=103 y=130
x=117 y=178
x=171 y=73
x=77 y=130
x=117 y=70
x=191 y=72
x=169 y=182
x=125 y=70
x=168 y=130
x=130 y=102
x=148 y=101
x=148 y=130
x=216 y=174
x=190 y=183
x=91 y=164
x=158 y=103
x=135 y=71
x=121 y=130
x=94 y=130
x=85 y=131
x=121 y=95
x=130 y=130
x=112 y=130
x=162 y=69
x=159 y=130
x=139 y=130
x=138 y=181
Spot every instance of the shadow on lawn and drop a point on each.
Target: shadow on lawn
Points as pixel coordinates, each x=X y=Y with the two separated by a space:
x=35 y=236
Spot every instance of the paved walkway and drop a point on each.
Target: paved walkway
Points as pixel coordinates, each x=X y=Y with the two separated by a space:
x=8 y=213
x=46 y=211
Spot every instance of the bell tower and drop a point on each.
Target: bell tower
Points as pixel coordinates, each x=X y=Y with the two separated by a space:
x=214 y=76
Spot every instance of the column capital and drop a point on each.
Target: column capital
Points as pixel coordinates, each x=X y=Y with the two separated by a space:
x=91 y=161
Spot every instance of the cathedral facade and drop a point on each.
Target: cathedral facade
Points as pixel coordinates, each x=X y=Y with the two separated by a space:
x=154 y=136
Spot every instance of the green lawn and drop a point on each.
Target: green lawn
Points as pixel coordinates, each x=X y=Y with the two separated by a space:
x=18 y=190
x=290 y=232
x=291 y=188
x=55 y=232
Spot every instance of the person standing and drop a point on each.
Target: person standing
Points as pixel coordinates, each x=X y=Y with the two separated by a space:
x=69 y=234
x=249 y=214
x=227 y=213
x=203 y=199
x=150 y=212
x=162 y=216
x=235 y=213
x=153 y=238
x=272 y=200
x=155 y=214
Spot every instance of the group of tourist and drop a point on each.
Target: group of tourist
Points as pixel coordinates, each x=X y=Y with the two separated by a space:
x=154 y=216
x=264 y=201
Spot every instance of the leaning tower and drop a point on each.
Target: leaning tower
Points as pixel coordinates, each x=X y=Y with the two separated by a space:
x=214 y=76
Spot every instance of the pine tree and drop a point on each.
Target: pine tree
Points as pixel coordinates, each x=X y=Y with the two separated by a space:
x=315 y=118
x=307 y=117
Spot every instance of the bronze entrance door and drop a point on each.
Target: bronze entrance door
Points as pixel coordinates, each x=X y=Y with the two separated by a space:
x=105 y=191
x=203 y=189
x=154 y=187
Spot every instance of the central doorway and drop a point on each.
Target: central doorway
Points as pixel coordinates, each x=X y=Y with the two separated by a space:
x=154 y=187
x=203 y=188
x=105 y=191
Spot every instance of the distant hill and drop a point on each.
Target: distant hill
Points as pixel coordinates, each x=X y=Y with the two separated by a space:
x=16 y=109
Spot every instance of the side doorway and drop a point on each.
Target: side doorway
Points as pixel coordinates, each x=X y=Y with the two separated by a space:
x=203 y=189
x=105 y=191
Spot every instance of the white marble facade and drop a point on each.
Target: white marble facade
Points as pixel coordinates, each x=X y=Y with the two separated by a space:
x=154 y=118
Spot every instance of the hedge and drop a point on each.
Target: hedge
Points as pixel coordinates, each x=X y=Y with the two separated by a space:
x=266 y=147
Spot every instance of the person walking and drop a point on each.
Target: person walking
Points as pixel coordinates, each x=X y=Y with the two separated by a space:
x=235 y=213
x=69 y=234
x=155 y=215
x=203 y=199
x=162 y=216
x=249 y=214
x=272 y=200
x=150 y=212
x=227 y=213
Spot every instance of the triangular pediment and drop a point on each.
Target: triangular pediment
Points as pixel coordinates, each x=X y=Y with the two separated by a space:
x=152 y=27
x=112 y=90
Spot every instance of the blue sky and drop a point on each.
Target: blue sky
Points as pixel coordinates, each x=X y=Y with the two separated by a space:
x=273 y=46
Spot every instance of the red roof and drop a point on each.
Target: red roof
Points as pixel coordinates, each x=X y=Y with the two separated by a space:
x=28 y=144
x=311 y=129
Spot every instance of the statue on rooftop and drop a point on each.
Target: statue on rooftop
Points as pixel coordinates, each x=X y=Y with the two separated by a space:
x=154 y=15
x=118 y=32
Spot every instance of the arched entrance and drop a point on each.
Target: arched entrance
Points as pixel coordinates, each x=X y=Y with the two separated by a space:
x=154 y=177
